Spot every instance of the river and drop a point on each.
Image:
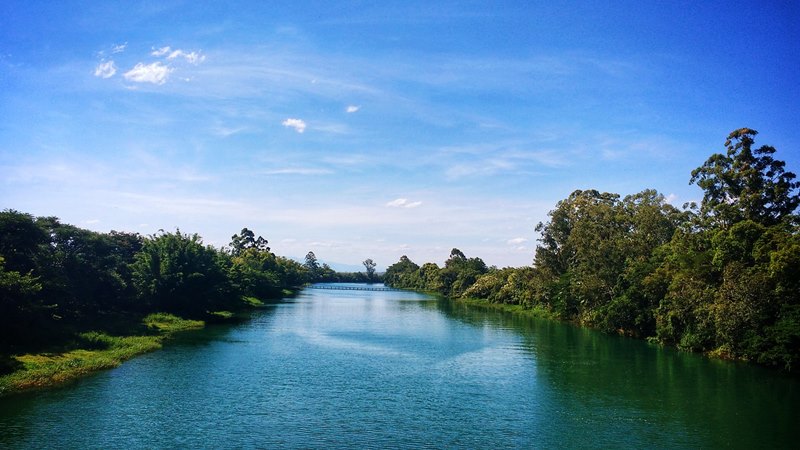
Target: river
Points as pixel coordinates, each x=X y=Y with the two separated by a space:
x=361 y=369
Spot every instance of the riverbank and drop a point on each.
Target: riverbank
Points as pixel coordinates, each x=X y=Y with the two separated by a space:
x=539 y=313
x=92 y=351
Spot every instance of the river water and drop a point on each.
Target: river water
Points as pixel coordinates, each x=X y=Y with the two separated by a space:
x=361 y=369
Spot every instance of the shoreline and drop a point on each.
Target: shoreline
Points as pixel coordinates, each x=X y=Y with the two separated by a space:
x=94 y=351
x=538 y=313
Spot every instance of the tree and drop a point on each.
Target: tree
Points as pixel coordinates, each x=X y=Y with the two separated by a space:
x=403 y=274
x=370 y=266
x=246 y=240
x=255 y=273
x=312 y=266
x=459 y=273
x=22 y=241
x=19 y=306
x=175 y=272
x=746 y=183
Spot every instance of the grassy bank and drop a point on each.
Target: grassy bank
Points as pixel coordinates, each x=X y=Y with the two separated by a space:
x=516 y=309
x=92 y=351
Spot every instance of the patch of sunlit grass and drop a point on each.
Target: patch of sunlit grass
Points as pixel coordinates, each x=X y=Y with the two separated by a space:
x=96 y=351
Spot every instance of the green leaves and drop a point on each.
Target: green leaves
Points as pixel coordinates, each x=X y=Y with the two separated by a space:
x=745 y=184
x=176 y=273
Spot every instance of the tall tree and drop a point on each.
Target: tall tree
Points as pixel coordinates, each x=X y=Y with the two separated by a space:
x=177 y=273
x=246 y=239
x=370 y=265
x=404 y=273
x=312 y=266
x=746 y=183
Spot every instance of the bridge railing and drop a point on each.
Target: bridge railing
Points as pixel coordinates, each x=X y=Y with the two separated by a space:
x=351 y=288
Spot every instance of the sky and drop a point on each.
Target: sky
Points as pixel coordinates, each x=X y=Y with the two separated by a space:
x=378 y=129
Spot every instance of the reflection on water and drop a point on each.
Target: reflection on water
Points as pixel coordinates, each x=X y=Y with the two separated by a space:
x=716 y=403
x=398 y=369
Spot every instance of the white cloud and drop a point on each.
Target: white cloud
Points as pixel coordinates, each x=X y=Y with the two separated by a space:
x=297 y=124
x=353 y=108
x=517 y=241
x=191 y=57
x=160 y=52
x=671 y=199
x=299 y=171
x=105 y=69
x=481 y=167
x=155 y=73
x=227 y=131
x=119 y=48
x=403 y=203
x=333 y=128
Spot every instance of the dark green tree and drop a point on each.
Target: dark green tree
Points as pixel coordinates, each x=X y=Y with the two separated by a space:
x=20 y=308
x=402 y=274
x=312 y=267
x=370 y=265
x=746 y=183
x=245 y=240
x=175 y=272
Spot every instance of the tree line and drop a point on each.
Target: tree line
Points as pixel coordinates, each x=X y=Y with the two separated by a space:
x=57 y=279
x=722 y=277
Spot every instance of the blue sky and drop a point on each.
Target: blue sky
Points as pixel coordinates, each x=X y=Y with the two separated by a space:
x=375 y=129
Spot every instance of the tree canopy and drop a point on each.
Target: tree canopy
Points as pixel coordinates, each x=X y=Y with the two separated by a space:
x=723 y=280
x=746 y=183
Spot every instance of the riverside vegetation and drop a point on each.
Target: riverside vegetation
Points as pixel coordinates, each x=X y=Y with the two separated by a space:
x=73 y=301
x=722 y=277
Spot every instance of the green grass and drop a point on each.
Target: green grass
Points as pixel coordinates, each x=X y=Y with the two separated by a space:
x=94 y=351
x=167 y=323
x=252 y=302
x=537 y=312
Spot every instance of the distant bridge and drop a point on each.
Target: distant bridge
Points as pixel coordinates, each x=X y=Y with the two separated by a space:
x=334 y=287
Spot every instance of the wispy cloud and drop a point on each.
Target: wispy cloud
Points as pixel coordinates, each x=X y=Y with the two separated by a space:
x=403 y=203
x=352 y=108
x=298 y=124
x=491 y=159
x=334 y=128
x=517 y=241
x=160 y=51
x=155 y=73
x=105 y=69
x=224 y=131
x=484 y=167
x=193 y=57
x=190 y=57
x=671 y=198
x=119 y=48
x=299 y=171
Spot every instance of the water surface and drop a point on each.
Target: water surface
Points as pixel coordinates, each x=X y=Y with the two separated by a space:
x=359 y=369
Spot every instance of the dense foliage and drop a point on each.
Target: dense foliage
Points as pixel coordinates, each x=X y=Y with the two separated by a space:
x=723 y=278
x=57 y=280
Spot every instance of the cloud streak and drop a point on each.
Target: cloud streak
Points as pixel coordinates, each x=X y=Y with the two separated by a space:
x=190 y=57
x=105 y=69
x=155 y=73
x=297 y=124
x=299 y=171
x=403 y=203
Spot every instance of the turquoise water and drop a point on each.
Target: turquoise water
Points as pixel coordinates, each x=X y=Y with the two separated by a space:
x=358 y=369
